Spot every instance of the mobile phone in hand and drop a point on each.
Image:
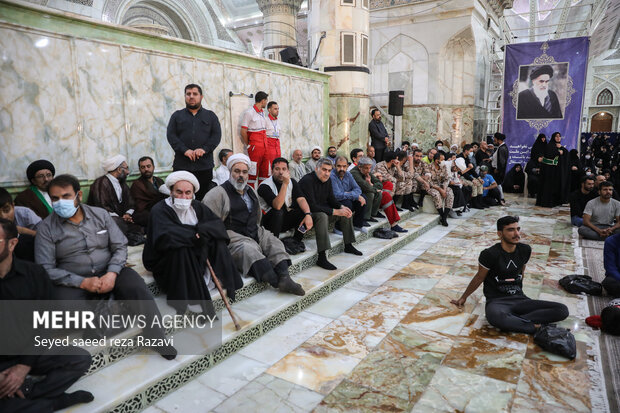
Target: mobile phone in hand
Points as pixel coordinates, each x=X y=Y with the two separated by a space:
x=302 y=228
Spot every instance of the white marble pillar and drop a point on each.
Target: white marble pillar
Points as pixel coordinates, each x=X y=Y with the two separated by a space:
x=341 y=28
x=279 y=25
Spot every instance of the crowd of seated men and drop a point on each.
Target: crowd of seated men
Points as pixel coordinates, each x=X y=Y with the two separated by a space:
x=77 y=246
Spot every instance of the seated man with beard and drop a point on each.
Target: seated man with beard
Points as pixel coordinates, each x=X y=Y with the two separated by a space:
x=182 y=234
x=256 y=251
x=145 y=191
x=112 y=193
x=40 y=174
x=285 y=205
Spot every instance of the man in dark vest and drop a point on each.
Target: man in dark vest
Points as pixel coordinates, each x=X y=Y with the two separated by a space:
x=145 y=191
x=256 y=251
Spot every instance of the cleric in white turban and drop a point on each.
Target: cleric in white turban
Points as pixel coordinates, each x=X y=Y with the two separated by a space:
x=255 y=250
x=182 y=234
x=113 y=163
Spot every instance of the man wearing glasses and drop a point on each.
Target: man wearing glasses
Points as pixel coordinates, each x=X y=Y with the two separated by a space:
x=40 y=173
x=112 y=193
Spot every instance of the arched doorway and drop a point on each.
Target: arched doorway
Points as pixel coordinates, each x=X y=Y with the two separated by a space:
x=601 y=122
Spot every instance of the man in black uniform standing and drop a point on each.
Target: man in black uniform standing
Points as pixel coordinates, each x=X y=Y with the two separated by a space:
x=378 y=134
x=501 y=268
x=193 y=133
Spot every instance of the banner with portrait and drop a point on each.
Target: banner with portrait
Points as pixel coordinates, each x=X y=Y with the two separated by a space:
x=544 y=84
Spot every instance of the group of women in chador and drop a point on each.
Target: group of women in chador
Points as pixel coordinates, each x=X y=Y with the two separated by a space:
x=549 y=171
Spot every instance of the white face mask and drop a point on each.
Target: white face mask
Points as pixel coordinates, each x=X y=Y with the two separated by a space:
x=440 y=148
x=587 y=156
x=182 y=204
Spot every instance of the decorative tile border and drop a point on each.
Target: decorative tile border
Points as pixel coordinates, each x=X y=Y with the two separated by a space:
x=182 y=376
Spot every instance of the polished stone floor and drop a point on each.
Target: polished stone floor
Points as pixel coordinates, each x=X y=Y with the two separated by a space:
x=390 y=340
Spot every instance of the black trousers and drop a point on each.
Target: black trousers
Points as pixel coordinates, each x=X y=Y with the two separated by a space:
x=129 y=287
x=358 y=211
x=59 y=371
x=205 y=179
x=379 y=154
x=493 y=197
x=518 y=314
x=612 y=286
x=281 y=220
x=459 y=198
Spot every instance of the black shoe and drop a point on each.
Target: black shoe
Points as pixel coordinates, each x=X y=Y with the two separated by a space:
x=70 y=399
x=287 y=285
x=350 y=249
x=366 y=224
x=398 y=209
x=380 y=215
x=458 y=213
x=167 y=352
x=398 y=228
x=443 y=212
x=323 y=263
x=371 y=220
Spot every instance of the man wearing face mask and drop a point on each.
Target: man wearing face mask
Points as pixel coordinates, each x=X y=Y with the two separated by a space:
x=256 y=251
x=182 y=234
x=112 y=193
x=85 y=253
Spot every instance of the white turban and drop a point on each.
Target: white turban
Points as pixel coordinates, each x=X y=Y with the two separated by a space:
x=415 y=144
x=314 y=148
x=460 y=163
x=177 y=176
x=112 y=163
x=236 y=158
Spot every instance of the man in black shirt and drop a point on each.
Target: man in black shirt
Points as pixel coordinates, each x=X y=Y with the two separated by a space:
x=22 y=280
x=318 y=190
x=501 y=268
x=580 y=198
x=283 y=202
x=193 y=133
x=378 y=135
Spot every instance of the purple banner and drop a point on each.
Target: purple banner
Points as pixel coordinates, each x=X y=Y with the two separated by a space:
x=543 y=93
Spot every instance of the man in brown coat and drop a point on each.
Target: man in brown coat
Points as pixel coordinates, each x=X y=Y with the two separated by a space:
x=40 y=173
x=145 y=191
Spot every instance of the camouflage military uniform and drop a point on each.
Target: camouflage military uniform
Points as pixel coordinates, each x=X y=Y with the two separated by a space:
x=419 y=171
x=440 y=178
x=393 y=174
x=405 y=186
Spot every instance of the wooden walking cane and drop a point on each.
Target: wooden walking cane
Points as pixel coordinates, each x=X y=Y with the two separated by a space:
x=219 y=288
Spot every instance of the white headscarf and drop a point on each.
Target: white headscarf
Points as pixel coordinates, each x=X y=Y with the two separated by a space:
x=236 y=158
x=112 y=163
x=177 y=176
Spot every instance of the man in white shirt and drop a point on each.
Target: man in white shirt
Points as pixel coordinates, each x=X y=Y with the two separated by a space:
x=272 y=142
x=222 y=173
x=297 y=167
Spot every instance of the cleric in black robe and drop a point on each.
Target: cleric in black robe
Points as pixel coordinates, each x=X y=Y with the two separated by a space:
x=514 y=180
x=181 y=234
x=539 y=102
x=555 y=177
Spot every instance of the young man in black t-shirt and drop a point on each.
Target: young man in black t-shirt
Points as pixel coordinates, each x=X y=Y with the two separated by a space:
x=284 y=202
x=501 y=268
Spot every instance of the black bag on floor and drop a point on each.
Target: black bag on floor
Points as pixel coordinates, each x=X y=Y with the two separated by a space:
x=556 y=340
x=610 y=318
x=579 y=283
x=292 y=246
x=384 y=233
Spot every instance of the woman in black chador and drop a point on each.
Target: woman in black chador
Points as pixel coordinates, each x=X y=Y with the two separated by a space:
x=576 y=170
x=555 y=175
x=514 y=180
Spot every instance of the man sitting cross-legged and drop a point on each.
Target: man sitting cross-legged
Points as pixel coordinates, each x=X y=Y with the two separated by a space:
x=601 y=216
x=501 y=268
x=21 y=280
x=84 y=252
x=317 y=187
x=284 y=204
x=181 y=235
x=348 y=193
x=256 y=251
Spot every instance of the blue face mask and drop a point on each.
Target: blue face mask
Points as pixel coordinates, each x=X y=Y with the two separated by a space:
x=65 y=208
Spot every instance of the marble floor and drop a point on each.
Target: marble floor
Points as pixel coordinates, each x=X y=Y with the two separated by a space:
x=390 y=340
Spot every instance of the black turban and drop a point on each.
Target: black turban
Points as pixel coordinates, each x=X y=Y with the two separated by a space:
x=541 y=70
x=36 y=166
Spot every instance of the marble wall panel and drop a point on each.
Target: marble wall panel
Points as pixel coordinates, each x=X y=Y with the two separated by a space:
x=420 y=125
x=306 y=115
x=78 y=101
x=38 y=113
x=153 y=88
x=209 y=76
x=348 y=123
x=100 y=99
